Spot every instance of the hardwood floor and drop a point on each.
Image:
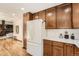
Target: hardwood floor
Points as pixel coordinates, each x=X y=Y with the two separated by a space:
x=11 y=47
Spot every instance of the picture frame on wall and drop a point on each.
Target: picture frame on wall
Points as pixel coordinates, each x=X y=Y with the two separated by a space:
x=17 y=29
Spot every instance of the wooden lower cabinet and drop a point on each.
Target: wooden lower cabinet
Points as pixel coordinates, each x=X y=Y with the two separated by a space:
x=68 y=49
x=47 y=51
x=47 y=48
x=54 y=48
x=76 y=50
x=57 y=51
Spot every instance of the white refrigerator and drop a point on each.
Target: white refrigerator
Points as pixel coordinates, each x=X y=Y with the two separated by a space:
x=35 y=36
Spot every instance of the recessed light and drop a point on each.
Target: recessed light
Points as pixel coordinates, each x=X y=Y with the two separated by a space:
x=22 y=9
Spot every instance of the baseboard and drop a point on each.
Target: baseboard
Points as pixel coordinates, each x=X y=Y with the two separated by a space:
x=29 y=54
x=18 y=40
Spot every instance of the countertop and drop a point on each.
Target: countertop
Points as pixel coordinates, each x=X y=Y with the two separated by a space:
x=76 y=41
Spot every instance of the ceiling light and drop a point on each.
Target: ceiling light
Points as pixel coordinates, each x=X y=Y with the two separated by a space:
x=22 y=9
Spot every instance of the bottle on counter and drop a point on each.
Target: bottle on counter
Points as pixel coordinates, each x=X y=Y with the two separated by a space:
x=61 y=36
x=66 y=36
x=72 y=36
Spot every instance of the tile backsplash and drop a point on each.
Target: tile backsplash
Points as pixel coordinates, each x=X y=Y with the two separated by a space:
x=54 y=33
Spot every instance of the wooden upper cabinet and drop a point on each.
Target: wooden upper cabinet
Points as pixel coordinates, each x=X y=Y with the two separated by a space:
x=42 y=15
x=75 y=15
x=27 y=16
x=51 y=18
x=64 y=16
x=36 y=16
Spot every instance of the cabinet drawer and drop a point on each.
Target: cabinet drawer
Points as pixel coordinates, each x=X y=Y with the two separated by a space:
x=47 y=41
x=68 y=44
x=57 y=43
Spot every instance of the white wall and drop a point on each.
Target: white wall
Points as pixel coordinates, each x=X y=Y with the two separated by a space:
x=18 y=20
x=54 y=33
x=5 y=16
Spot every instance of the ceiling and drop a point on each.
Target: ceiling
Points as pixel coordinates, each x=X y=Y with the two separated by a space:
x=29 y=7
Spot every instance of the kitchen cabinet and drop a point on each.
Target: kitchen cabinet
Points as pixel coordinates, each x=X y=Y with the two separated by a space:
x=64 y=16
x=57 y=51
x=52 y=48
x=50 y=18
x=76 y=52
x=47 y=48
x=75 y=9
x=57 y=48
x=36 y=16
x=68 y=49
x=42 y=15
x=26 y=17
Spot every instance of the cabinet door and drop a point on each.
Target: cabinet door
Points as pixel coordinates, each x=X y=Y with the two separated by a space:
x=75 y=15
x=51 y=18
x=76 y=51
x=47 y=48
x=56 y=48
x=57 y=51
x=42 y=15
x=64 y=16
x=35 y=16
x=68 y=49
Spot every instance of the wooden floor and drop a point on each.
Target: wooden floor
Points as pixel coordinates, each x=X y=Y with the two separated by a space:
x=11 y=47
